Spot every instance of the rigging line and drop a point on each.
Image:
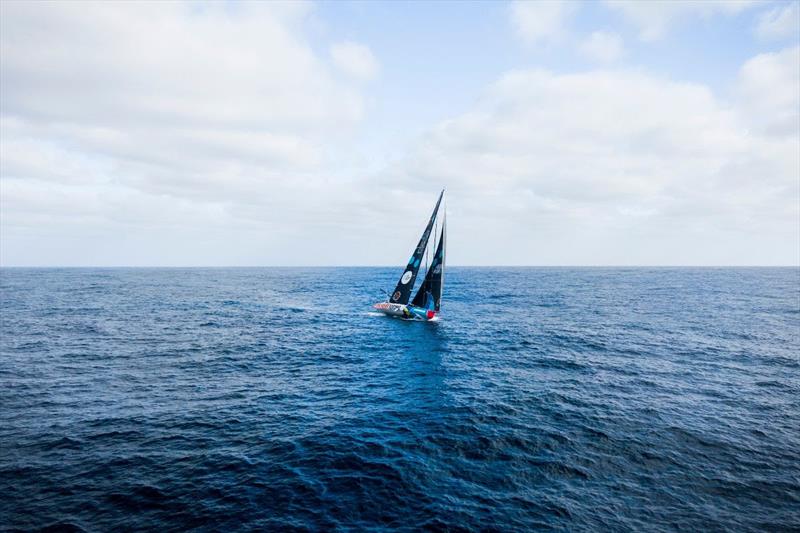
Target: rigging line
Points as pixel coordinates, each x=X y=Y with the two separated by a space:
x=431 y=251
x=443 y=239
x=433 y=241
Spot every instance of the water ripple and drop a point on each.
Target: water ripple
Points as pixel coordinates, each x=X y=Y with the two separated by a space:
x=272 y=399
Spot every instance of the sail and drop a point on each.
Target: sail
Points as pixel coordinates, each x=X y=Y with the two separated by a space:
x=402 y=293
x=434 y=279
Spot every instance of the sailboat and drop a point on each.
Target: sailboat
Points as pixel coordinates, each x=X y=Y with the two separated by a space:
x=428 y=300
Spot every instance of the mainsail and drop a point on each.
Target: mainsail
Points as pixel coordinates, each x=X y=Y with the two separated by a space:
x=434 y=279
x=402 y=293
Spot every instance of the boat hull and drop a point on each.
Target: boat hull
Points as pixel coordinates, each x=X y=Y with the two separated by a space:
x=393 y=309
x=409 y=312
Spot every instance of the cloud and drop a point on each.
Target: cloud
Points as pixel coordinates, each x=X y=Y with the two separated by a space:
x=780 y=22
x=355 y=59
x=602 y=46
x=621 y=167
x=655 y=18
x=119 y=118
x=541 y=22
x=141 y=63
x=186 y=133
x=768 y=92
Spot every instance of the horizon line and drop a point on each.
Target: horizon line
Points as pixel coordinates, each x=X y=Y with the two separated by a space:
x=395 y=266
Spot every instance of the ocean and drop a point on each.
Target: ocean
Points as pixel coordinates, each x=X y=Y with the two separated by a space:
x=237 y=399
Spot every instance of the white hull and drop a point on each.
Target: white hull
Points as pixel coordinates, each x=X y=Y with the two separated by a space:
x=393 y=309
x=404 y=311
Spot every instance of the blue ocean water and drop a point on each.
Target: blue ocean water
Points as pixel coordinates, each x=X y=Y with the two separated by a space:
x=545 y=398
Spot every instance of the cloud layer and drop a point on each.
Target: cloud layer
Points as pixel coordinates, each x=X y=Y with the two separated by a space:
x=780 y=22
x=541 y=22
x=568 y=162
x=655 y=18
x=225 y=133
x=119 y=118
x=603 y=46
x=355 y=59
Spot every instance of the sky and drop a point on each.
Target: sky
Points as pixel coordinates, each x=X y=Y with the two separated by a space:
x=266 y=133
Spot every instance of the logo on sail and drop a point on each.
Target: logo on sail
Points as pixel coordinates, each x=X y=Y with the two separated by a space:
x=437 y=269
x=396 y=296
x=406 y=277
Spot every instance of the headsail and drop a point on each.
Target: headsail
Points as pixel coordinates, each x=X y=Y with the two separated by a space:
x=434 y=279
x=402 y=293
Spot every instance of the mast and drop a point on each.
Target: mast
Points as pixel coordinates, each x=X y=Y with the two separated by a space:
x=444 y=254
x=402 y=292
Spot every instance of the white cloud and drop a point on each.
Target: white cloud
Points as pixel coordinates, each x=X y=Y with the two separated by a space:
x=780 y=22
x=119 y=119
x=542 y=21
x=654 y=18
x=150 y=133
x=618 y=167
x=768 y=91
x=602 y=46
x=142 y=63
x=355 y=59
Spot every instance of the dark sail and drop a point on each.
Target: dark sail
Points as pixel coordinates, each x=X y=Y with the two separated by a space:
x=402 y=293
x=434 y=279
